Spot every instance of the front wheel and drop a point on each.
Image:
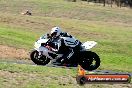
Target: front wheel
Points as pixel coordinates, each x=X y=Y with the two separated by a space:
x=89 y=60
x=34 y=55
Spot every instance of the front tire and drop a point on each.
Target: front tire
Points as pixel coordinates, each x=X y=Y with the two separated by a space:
x=39 y=61
x=89 y=61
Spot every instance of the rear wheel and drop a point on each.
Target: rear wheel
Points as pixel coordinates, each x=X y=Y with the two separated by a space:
x=38 y=60
x=89 y=60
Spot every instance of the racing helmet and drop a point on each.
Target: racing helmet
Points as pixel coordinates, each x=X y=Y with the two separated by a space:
x=55 y=31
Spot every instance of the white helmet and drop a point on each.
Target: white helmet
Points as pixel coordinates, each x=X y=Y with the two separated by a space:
x=55 y=31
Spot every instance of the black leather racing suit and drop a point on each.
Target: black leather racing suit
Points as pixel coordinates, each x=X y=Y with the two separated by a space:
x=65 y=49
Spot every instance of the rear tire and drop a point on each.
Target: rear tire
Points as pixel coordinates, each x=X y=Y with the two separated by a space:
x=39 y=61
x=87 y=59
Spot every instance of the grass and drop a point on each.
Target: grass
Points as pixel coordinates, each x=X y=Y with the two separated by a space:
x=27 y=76
x=16 y=37
x=112 y=41
x=110 y=27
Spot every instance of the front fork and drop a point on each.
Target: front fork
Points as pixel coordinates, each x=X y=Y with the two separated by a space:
x=40 y=54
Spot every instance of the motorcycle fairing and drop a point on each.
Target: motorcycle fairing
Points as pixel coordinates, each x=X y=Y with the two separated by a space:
x=89 y=44
x=39 y=42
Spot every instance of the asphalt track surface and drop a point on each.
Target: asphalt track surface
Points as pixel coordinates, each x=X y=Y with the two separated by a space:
x=29 y=62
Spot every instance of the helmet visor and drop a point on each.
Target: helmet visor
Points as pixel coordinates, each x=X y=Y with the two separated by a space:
x=54 y=34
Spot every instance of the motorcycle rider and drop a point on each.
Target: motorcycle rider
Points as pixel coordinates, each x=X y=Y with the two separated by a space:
x=65 y=44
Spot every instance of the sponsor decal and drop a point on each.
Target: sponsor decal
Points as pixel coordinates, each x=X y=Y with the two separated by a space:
x=83 y=78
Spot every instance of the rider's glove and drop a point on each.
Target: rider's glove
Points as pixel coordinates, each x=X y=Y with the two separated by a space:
x=50 y=48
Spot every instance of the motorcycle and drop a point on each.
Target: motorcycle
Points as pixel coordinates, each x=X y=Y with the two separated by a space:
x=44 y=54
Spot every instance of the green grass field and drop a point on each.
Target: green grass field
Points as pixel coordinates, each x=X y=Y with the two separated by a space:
x=110 y=27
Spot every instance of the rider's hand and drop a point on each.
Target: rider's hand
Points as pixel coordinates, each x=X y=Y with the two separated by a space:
x=49 y=47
